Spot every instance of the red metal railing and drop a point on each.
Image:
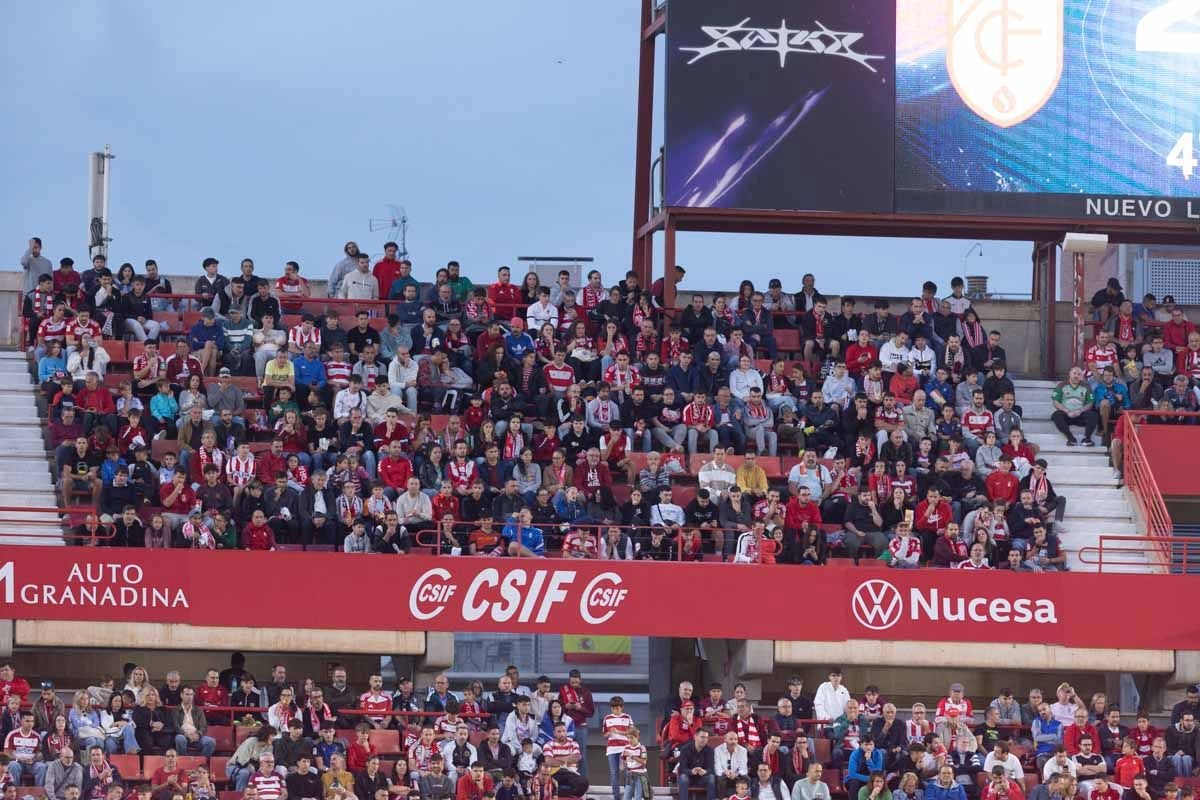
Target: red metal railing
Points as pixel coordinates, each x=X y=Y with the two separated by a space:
x=1140 y=478
x=1141 y=551
x=61 y=528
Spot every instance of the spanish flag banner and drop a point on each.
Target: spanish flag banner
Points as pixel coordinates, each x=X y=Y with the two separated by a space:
x=590 y=649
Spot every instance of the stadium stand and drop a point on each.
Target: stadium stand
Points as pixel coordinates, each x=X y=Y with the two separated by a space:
x=231 y=735
x=586 y=422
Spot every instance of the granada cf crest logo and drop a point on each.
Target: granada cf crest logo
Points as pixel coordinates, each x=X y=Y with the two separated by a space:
x=1005 y=57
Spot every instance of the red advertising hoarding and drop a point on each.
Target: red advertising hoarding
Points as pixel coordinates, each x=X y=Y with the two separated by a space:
x=417 y=593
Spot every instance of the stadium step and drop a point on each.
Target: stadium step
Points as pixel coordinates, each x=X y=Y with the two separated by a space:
x=26 y=478
x=1032 y=386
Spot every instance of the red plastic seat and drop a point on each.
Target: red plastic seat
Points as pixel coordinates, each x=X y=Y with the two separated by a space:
x=130 y=766
x=787 y=340
x=387 y=742
x=223 y=736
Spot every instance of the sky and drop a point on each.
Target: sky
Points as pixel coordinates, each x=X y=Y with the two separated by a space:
x=276 y=130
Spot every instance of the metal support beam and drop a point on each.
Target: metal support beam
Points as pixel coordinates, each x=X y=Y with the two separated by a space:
x=669 y=263
x=641 y=260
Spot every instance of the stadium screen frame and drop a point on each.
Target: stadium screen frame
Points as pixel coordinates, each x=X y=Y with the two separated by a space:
x=898 y=107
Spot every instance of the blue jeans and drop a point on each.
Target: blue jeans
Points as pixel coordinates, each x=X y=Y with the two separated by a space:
x=239 y=776
x=207 y=744
x=1182 y=764
x=635 y=786
x=686 y=781
x=37 y=770
x=581 y=737
x=614 y=774
x=127 y=740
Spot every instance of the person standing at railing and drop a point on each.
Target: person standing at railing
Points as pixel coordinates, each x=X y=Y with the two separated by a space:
x=360 y=284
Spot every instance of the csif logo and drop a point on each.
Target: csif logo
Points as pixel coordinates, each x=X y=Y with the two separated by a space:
x=878 y=605
x=517 y=595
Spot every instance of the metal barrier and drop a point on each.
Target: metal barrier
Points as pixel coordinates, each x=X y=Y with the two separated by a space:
x=61 y=528
x=1139 y=551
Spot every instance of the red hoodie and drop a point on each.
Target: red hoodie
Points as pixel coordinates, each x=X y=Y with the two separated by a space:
x=395 y=472
x=797 y=516
x=98 y=399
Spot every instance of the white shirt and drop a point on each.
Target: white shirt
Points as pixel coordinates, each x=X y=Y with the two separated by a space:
x=830 y=702
x=742 y=381
x=737 y=761
x=666 y=514
x=1012 y=766
x=766 y=791
x=400 y=375
x=890 y=355
x=538 y=315
x=412 y=509
x=345 y=401
x=1052 y=766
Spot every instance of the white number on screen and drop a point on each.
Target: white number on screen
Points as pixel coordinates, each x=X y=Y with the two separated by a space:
x=1182 y=155
x=1154 y=34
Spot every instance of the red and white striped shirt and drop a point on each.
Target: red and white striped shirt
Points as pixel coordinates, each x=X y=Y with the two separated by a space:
x=978 y=422
x=372 y=702
x=622 y=379
x=968 y=564
x=616 y=729
x=461 y=475
x=50 y=330
x=337 y=373
x=556 y=749
x=1189 y=363
x=78 y=331
x=240 y=471
x=631 y=754
x=559 y=379
x=23 y=747
x=159 y=366
x=419 y=754
x=1101 y=356
x=270 y=787
x=299 y=337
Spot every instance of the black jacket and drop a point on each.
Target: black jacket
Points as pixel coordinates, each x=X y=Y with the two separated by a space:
x=690 y=758
x=306 y=786
x=308 y=499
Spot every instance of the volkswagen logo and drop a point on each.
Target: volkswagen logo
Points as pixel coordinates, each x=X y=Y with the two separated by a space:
x=877 y=604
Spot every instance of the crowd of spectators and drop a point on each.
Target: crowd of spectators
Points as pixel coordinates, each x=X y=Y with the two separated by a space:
x=282 y=738
x=586 y=422
x=1058 y=747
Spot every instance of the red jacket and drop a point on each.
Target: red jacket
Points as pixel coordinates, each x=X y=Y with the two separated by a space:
x=1072 y=734
x=386 y=273
x=1176 y=336
x=506 y=297
x=18 y=686
x=602 y=477
x=467 y=789
x=1014 y=791
x=395 y=472
x=1003 y=486
x=207 y=696
x=933 y=520
x=858 y=358
x=99 y=399
x=256 y=537
x=796 y=516
x=183 y=504
x=267 y=464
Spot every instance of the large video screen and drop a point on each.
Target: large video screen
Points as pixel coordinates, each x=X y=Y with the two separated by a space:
x=780 y=104
x=1082 y=109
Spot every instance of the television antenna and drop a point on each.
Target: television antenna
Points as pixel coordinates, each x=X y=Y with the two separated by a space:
x=396 y=225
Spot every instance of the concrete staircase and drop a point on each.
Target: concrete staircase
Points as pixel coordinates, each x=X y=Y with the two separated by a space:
x=1096 y=504
x=25 y=473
